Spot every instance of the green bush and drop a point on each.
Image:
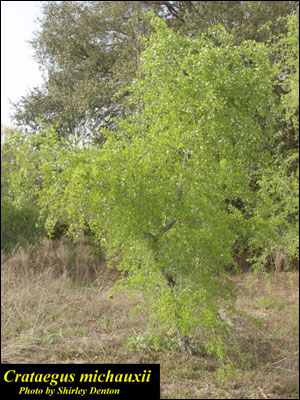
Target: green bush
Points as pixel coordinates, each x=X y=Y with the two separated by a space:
x=275 y=221
x=18 y=224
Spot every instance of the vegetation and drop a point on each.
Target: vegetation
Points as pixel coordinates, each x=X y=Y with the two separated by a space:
x=18 y=224
x=177 y=167
x=54 y=312
x=88 y=50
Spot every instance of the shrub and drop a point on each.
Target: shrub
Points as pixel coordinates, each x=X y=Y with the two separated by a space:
x=19 y=224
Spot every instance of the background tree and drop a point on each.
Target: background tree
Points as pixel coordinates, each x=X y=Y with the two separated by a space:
x=19 y=214
x=275 y=219
x=89 y=50
x=246 y=20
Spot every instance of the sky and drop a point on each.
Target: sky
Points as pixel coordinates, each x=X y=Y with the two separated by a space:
x=19 y=71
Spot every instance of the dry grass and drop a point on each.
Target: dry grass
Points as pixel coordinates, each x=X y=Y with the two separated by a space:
x=55 y=309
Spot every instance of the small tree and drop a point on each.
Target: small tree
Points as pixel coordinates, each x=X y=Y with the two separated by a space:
x=168 y=189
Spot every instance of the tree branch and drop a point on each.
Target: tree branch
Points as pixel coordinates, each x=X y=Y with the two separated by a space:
x=169 y=225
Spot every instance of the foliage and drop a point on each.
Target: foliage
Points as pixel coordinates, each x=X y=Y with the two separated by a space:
x=275 y=220
x=246 y=20
x=150 y=342
x=167 y=193
x=89 y=50
x=18 y=224
x=287 y=72
x=19 y=216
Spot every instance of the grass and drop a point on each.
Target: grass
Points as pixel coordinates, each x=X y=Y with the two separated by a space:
x=56 y=309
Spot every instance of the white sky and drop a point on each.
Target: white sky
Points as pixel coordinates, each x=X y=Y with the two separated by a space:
x=19 y=71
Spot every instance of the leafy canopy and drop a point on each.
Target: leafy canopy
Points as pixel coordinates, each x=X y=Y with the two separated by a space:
x=88 y=50
x=167 y=192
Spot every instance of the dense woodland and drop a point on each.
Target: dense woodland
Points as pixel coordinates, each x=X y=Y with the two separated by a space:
x=166 y=133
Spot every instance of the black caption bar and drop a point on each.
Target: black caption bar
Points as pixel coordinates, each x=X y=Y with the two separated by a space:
x=81 y=381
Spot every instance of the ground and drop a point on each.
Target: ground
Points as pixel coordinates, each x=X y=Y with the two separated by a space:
x=52 y=313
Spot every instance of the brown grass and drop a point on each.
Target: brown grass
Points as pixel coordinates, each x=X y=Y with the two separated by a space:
x=56 y=309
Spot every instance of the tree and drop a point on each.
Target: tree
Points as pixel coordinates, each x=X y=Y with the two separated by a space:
x=164 y=188
x=89 y=50
x=246 y=20
x=275 y=214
